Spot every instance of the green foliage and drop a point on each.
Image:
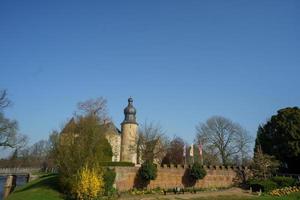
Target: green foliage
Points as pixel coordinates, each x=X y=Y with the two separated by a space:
x=280 y=137
x=283 y=181
x=109 y=179
x=45 y=188
x=82 y=142
x=148 y=171
x=265 y=185
x=120 y=164
x=197 y=172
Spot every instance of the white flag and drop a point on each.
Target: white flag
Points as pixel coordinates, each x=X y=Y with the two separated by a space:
x=192 y=150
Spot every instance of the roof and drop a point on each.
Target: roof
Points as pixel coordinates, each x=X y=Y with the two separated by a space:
x=111 y=127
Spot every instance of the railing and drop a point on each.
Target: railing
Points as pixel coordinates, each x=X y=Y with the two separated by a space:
x=16 y=171
x=297 y=176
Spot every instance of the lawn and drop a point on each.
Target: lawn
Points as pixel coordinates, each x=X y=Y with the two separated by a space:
x=45 y=188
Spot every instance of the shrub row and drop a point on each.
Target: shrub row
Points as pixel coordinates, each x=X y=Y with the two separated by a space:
x=263 y=185
x=114 y=164
x=283 y=181
x=271 y=184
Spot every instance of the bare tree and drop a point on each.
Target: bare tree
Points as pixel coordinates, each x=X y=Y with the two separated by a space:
x=226 y=137
x=210 y=156
x=40 y=149
x=9 y=136
x=8 y=131
x=4 y=101
x=152 y=143
x=244 y=141
x=175 y=152
x=96 y=107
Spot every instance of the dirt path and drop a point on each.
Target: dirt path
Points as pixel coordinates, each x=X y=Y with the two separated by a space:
x=227 y=192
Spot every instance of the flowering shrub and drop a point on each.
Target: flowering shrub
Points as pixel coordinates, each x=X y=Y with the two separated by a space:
x=88 y=183
x=284 y=191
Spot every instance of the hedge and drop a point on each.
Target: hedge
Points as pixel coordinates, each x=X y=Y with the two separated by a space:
x=113 y=164
x=283 y=181
x=264 y=185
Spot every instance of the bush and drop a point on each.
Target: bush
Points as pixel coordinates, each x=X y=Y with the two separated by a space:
x=87 y=184
x=197 y=172
x=148 y=171
x=283 y=181
x=109 y=179
x=264 y=185
x=82 y=141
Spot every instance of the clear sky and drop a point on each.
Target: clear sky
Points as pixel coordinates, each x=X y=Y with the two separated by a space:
x=181 y=61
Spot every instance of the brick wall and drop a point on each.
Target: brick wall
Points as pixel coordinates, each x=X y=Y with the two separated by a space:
x=170 y=177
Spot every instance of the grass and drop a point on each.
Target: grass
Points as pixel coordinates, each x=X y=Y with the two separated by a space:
x=44 y=188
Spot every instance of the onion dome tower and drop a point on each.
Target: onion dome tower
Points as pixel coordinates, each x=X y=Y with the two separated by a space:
x=129 y=134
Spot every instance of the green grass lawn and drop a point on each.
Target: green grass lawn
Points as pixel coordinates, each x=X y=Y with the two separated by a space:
x=44 y=188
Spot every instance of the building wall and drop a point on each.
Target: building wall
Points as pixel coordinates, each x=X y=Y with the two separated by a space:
x=128 y=143
x=115 y=142
x=170 y=177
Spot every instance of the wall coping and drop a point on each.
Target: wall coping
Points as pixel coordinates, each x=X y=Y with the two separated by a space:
x=215 y=167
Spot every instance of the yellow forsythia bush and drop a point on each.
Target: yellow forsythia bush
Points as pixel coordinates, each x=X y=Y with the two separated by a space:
x=88 y=183
x=284 y=191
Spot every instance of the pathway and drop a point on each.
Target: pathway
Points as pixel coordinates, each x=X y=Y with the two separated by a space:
x=228 y=192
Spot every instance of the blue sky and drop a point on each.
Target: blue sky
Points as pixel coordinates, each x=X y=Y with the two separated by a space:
x=181 y=61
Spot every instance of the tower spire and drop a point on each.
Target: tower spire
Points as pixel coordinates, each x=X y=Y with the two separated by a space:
x=130 y=113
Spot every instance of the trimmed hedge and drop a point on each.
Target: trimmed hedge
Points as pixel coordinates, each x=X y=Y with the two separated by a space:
x=272 y=183
x=264 y=185
x=283 y=181
x=115 y=164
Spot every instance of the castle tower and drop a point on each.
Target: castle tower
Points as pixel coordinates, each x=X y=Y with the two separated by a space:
x=129 y=131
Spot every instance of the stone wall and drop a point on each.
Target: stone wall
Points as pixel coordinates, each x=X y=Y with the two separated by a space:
x=172 y=176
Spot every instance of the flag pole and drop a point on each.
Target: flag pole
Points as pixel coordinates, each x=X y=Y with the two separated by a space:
x=184 y=153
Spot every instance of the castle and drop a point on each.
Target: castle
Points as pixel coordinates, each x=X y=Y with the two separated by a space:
x=124 y=142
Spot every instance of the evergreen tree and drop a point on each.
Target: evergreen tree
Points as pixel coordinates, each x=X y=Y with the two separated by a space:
x=280 y=137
